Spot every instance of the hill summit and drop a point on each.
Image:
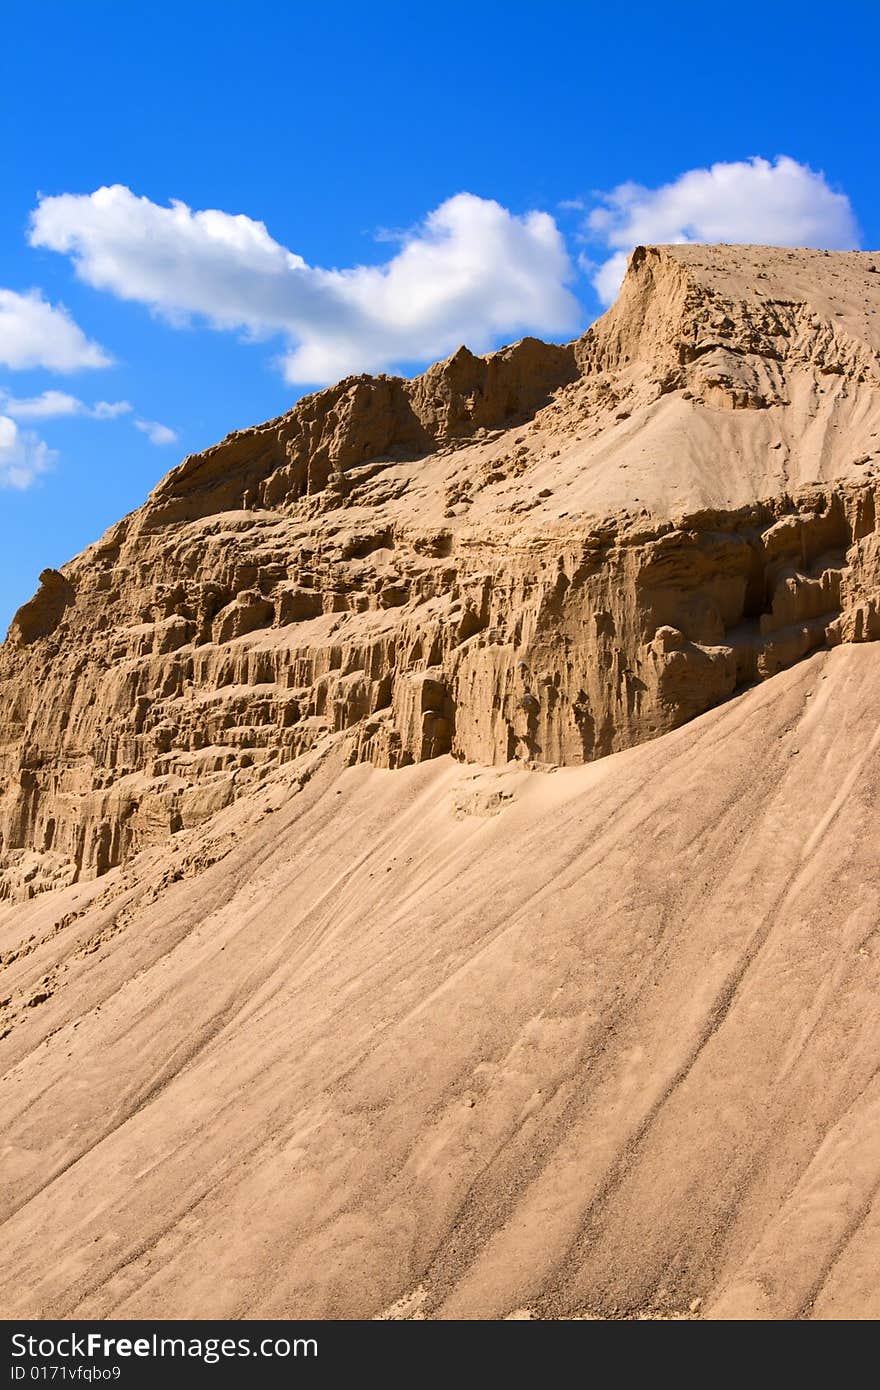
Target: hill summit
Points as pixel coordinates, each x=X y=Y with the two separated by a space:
x=547 y=554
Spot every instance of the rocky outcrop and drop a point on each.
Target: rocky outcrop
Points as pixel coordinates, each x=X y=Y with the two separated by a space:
x=41 y=615
x=389 y=564
x=608 y=642
x=311 y=450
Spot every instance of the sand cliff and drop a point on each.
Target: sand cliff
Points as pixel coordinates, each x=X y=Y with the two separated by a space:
x=549 y=554
x=437 y=838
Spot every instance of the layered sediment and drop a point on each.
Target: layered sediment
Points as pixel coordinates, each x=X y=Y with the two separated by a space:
x=549 y=554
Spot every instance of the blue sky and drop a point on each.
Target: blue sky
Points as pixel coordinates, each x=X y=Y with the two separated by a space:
x=423 y=176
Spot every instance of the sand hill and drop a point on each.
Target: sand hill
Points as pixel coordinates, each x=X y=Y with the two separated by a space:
x=437 y=849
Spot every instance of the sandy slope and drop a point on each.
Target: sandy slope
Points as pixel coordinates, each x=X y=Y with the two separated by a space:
x=595 y=1040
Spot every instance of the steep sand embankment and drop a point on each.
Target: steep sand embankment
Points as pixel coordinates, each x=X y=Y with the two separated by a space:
x=597 y=1040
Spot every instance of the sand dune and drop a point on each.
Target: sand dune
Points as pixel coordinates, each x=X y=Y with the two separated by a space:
x=596 y=1040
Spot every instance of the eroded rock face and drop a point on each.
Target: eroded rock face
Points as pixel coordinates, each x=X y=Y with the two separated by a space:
x=389 y=562
x=593 y=645
x=41 y=615
x=311 y=450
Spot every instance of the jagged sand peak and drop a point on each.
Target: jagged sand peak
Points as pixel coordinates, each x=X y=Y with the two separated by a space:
x=629 y=411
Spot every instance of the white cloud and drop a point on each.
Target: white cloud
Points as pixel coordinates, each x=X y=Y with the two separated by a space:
x=156 y=433
x=35 y=333
x=109 y=410
x=472 y=271
x=23 y=456
x=47 y=406
x=782 y=203
x=51 y=405
x=54 y=405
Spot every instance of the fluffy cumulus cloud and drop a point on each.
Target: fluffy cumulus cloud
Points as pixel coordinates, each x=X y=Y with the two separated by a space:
x=779 y=203
x=23 y=456
x=52 y=405
x=471 y=271
x=35 y=333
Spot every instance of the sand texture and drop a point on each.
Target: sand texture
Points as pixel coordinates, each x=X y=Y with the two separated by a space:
x=438 y=849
